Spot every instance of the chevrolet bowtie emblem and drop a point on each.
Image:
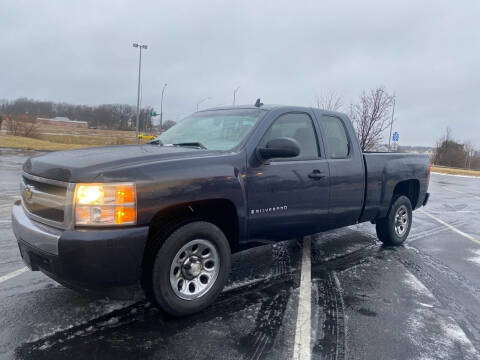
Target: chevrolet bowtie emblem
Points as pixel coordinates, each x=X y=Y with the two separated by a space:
x=27 y=194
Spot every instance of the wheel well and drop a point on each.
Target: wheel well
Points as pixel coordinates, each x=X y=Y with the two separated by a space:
x=409 y=188
x=220 y=212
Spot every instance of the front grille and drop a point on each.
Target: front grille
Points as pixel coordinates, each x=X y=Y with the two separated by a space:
x=44 y=187
x=44 y=198
x=46 y=213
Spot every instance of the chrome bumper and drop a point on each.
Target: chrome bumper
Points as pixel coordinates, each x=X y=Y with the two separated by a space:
x=38 y=235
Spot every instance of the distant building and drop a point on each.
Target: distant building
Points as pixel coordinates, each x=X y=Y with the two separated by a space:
x=382 y=148
x=62 y=121
x=427 y=150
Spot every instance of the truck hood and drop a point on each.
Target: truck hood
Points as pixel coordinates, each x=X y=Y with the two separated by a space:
x=88 y=163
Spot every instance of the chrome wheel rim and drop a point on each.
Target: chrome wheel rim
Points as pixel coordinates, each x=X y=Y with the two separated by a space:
x=401 y=220
x=194 y=269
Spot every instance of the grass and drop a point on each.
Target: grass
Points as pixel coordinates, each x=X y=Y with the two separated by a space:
x=91 y=140
x=73 y=140
x=455 y=171
x=19 y=142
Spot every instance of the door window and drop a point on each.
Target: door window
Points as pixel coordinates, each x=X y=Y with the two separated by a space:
x=299 y=127
x=335 y=137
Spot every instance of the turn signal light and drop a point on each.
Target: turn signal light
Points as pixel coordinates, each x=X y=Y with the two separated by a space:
x=125 y=194
x=124 y=215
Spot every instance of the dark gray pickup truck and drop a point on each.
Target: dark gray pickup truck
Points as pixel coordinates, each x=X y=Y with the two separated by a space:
x=168 y=214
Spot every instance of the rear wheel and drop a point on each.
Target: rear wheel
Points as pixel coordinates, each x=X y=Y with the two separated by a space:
x=395 y=227
x=190 y=269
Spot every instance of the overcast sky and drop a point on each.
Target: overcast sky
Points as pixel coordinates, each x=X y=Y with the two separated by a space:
x=426 y=52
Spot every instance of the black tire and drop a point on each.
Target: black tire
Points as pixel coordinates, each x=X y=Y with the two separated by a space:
x=159 y=288
x=386 y=229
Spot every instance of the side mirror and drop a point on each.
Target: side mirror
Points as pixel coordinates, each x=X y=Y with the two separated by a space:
x=283 y=147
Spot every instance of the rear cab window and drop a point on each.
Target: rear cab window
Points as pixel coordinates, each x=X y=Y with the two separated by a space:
x=335 y=137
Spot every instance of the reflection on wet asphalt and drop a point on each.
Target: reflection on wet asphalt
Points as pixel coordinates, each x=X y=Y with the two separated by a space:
x=421 y=300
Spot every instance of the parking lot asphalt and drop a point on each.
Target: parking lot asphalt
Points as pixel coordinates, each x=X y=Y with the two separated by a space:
x=365 y=301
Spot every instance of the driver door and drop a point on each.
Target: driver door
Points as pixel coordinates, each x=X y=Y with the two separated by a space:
x=289 y=197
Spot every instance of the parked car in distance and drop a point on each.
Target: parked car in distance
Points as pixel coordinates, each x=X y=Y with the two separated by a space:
x=170 y=213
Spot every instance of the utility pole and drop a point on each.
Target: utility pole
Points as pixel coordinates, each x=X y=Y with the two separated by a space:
x=235 y=94
x=135 y=45
x=391 y=126
x=161 y=107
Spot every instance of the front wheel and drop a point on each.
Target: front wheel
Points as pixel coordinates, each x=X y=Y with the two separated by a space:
x=190 y=268
x=395 y=227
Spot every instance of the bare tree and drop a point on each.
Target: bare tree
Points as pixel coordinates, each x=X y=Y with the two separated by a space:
x=328 y=101
x=168 y=124
x=11 y=126
x=469 y=154
x=449 y=152
x=22 y=125
x=371 y=116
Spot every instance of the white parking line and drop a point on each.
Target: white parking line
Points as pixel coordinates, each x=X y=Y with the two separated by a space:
x=453 y=228
x=301 y=349
x=13 y=274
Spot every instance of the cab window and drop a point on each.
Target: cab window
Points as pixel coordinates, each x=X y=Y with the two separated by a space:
x=335 y=137
x=298 y=126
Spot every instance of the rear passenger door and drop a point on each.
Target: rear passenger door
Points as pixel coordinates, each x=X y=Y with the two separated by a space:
x=347 y=175
x=289 y=196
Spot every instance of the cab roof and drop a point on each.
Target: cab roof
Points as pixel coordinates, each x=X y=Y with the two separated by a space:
x=269 y=107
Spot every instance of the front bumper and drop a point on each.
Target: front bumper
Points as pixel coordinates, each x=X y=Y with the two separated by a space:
x=91 y=259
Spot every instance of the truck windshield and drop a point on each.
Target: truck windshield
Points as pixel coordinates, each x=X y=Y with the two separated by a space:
x=213 y=130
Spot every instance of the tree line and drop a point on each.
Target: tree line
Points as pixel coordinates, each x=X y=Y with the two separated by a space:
x=107 y=116
x=371 y=114
x=452 y=153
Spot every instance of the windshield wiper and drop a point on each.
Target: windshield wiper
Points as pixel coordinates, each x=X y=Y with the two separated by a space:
x=156 y=142
x=191 y=144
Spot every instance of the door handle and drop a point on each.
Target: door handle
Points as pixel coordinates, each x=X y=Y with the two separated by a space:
x=316 y=175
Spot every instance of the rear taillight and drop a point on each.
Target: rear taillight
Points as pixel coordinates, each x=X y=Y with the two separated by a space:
x=429 y=171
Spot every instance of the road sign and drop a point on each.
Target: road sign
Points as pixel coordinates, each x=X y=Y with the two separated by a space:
x=153 y=113
x=395 y=136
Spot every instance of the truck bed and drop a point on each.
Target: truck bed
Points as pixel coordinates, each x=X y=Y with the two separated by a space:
x=383 y=171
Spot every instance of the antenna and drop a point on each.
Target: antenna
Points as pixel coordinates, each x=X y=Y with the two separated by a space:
x=258 y=103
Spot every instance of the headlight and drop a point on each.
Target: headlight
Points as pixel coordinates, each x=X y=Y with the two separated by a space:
x=105 y=204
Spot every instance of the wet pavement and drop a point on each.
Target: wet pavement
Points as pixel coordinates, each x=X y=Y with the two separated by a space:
x=418 y=301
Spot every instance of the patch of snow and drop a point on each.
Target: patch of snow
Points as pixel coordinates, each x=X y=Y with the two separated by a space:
x=45 y=346
x=245 y=282
x=426 y=305
x=444 y=343
x=454 y=332
x=436 y=336
x=476 y=258
x=417 y=285
x=112 y=321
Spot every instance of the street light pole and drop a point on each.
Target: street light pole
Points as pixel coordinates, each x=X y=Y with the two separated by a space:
x=161 y=107
x=135 y=45
x=391 y=126
x=198 y=103
x=235 y=94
